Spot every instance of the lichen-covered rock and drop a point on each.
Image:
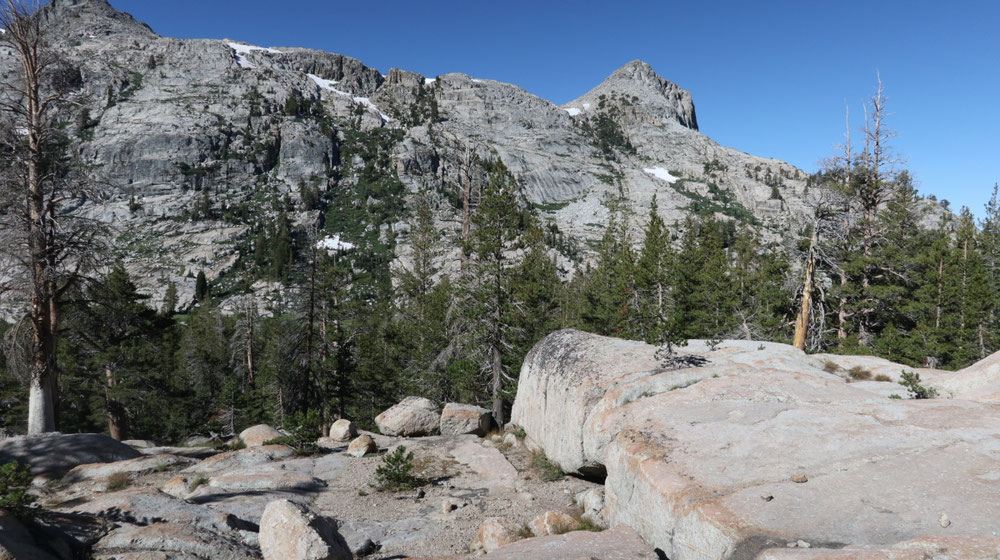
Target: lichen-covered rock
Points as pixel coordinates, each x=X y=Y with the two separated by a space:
x=493 y=534
x=289 y=531
x=552 y=523
x=256 y=436
x=458 y=419
x=413 y=416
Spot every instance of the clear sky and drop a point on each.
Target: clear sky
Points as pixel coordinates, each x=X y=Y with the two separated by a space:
x=770 y=78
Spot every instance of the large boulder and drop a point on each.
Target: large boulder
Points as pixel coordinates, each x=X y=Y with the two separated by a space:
x=256 y=436
x=343 y=430
x=458 y=419
x=759 y=445
x=413 y=416
x=289 y=531
x=58 y=453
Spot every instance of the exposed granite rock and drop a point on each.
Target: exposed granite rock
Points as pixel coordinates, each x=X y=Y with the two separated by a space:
x=703 y=459
x=56 y=453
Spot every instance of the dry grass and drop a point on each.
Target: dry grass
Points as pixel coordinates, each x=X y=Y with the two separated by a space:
x=830 y=366
x=883 y=378
x=118 y=481
x=859 y=373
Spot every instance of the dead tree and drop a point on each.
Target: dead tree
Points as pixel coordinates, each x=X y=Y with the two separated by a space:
x=44 y=246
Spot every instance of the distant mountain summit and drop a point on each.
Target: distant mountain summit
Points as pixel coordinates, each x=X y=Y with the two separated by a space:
x=637 y=81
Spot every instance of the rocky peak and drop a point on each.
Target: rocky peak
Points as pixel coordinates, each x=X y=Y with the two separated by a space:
x=638 y=86
x=74 y=19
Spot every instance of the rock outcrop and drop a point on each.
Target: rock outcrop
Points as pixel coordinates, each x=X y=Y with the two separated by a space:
x=58 y=453
x=620 y=543
x=702 y=462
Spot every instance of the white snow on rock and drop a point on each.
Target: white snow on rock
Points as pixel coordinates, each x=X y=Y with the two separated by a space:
x=429 y=81
x=242 y=50
x=327 y=85
x=476 y=81
x=334 y=244
x=573 y=111
x=660 y=173
x=586 y=106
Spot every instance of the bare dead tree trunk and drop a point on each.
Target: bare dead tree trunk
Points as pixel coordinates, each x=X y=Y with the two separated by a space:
x=466 y=206
x=24 y=35
x=802 y=321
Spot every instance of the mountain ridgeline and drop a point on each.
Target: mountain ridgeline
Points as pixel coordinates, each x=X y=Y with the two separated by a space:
x=294 y=233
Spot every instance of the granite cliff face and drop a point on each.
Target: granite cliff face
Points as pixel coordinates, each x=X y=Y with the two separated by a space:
x=170 y=126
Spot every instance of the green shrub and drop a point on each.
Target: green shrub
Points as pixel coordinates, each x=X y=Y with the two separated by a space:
x=194 y=484
x=550 y=472
x=15 y=480
x=303 y=431
x=396 y=471
x=911 y=381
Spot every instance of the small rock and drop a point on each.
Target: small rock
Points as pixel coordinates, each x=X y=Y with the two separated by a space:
x=766 y=497
x=552 y=523
x=943 y=520
x=592 y=503
x=496 y=438
x=288 y=530
x=803 y=544
x=139 y=443
x=493 y=534
x=256 y=436
x=449 y=505
x=526 y=496
x=489 y=443
x=510 y=440
x=361 y=446
x=800 y=478
x=343 y=430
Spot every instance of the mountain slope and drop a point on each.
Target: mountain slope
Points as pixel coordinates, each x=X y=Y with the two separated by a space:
x=199 y=140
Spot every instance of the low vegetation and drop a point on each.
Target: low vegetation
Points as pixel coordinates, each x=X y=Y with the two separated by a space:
x=911 y=381
x=547 y=470
x=396 y=471
x=15 y=481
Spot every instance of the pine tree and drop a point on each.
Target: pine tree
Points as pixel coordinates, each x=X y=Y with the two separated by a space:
x=201 y=286
x=610 y=284
x=489 y=314
x=647 y=316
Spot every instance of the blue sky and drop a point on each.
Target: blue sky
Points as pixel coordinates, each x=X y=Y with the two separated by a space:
x=768 y=78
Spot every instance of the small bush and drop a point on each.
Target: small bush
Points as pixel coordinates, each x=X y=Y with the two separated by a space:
x=196 y=483
x=883 y=378
x=830 y=367
x=518 y=432
x=550 y=472
x=895 y=396
x=524 y=532
x=396 y=471
x=303 y=431
x=859 y=373
x=15 y=479
x=911 y=381
x=118 y=481
x=587 y=525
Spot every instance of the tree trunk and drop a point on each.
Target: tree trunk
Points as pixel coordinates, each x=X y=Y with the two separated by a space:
x=497 y=366
x=117 y=419
x=802 y=321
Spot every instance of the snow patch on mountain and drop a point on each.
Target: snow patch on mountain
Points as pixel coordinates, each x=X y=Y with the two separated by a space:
x=327 y=85
x=661 y=173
